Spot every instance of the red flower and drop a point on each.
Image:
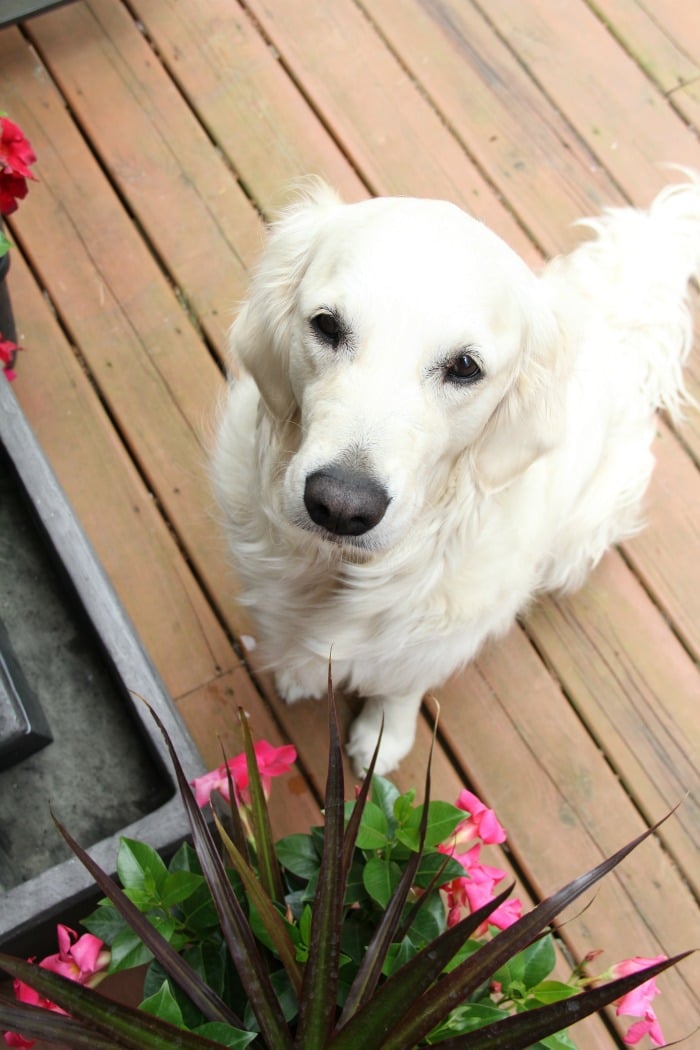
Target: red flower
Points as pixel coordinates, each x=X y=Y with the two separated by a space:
x=8 y=349
x=16 y=155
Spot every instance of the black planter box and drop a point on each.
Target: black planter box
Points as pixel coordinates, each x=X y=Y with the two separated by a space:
x=16 y=10
x=28 y=911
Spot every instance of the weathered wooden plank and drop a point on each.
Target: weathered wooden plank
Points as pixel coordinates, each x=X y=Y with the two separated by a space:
x=114 y=506
x=376 y=111
x=664 y=40
x=137 y=340
x=666 y=60
x=513 y=131
x=632 y=129
x=521 y=745
x=244 y=98
x=184 y=194
x=637 y=690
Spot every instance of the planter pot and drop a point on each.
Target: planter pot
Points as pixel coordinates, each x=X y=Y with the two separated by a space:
x=64 y=891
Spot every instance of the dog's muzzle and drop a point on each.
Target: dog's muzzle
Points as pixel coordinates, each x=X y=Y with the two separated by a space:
x=344 y=502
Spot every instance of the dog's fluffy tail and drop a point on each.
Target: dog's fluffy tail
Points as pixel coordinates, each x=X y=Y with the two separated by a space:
x=633 y=279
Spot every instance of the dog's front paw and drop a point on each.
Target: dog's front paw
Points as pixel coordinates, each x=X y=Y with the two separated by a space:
x=293 y=686
x=397 y=740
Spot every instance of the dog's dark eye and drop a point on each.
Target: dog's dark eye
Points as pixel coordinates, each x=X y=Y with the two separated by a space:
x=327 y=327
x=463 y=369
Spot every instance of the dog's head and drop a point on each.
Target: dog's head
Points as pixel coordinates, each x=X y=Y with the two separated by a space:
x=399 y=342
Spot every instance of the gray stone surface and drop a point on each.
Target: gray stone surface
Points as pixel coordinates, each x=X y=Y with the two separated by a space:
x=97 y=771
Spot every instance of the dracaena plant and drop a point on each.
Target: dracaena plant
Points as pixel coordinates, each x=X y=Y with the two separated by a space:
x=357 y=936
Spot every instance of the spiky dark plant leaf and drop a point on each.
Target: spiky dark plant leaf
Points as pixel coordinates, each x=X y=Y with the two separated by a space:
x=130 y=1029
x=235 y=927
x=266 y=909
x=36 y=1023
x=370 y=970
x=268 y=865
x=320 y=988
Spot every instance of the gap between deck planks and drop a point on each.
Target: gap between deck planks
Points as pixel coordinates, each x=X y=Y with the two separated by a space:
x=269 y=133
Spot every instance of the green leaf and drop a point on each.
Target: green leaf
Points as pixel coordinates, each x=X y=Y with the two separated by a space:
x=443 y=818
x=5 y=245
x=298 y=854
x=434 y=864
x=179 y=886
x=384 y=794
x=373 y=833
x=163 y=1004
x=380 y=879
x=551 y=992
x=128 y=950
x=539 y=960
x=140 y=867
x=105 y=923
x=403 y=807
x=226 y=1035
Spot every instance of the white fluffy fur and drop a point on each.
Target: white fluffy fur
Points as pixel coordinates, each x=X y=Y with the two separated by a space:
x=499 y=489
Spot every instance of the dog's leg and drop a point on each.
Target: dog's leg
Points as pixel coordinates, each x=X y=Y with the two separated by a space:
x=400 y=714
x=308 y=682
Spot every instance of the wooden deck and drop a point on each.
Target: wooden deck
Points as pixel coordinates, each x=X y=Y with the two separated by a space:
x=165 y=131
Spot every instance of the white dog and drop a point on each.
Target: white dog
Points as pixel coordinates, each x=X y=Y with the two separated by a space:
x=429 y=434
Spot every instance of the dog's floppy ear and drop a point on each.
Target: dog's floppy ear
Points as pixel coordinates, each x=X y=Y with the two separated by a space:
x=529 y=420
x=260 y=337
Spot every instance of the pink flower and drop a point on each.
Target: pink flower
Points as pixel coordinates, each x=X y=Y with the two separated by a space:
x=467 y=893
x=84 y=962
x=272 y=762
x=637 y=1003
x=482 y=822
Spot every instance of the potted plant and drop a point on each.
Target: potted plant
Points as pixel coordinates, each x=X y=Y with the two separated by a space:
x=354 y=936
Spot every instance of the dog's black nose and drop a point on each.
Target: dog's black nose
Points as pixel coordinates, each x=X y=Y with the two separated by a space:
x=344 y=502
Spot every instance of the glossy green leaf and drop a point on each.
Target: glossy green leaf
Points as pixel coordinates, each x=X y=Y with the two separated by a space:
x=380 y=879
x=163 y=1004
x=140 y=867
x=298 y=854
x=443 y=818
x=373 y=832
x=225 y=1035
